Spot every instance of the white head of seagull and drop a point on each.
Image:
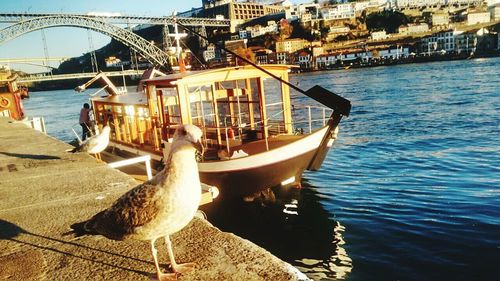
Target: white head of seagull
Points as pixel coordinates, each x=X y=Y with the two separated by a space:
x=158 y=207
x=189 y=133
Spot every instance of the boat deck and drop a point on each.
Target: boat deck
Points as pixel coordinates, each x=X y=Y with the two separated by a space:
x=259 y=146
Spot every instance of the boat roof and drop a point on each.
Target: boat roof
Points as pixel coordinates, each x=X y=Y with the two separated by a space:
x=198 y=74
x=130 y=98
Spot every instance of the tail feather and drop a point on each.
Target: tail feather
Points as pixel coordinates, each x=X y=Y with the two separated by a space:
x=87 y=227
x=78 y=229
x=77 y=148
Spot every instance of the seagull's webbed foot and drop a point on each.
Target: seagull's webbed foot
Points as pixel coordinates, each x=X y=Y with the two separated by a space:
x=183 y=267
x=177 y=268
x=160 y=276
x=164 y=277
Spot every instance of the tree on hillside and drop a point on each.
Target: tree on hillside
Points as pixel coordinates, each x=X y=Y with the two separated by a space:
x=388 y=20
x=285 y=29
x=246 y=53
x=299 y=31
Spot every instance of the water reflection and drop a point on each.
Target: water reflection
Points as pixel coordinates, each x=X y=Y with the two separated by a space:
x=294 y=227
x=337 y=267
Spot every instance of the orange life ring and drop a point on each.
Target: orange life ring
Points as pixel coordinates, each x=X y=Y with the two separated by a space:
x=5 y=103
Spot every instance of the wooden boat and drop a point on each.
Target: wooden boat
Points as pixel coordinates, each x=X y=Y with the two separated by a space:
x=11 y=95
x=247 y=118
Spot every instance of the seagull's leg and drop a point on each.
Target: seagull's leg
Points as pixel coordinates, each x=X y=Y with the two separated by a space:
x=177 y=268
x=160 y=275
x=98 y=157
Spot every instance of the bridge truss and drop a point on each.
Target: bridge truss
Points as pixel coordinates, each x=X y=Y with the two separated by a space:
x=122 y=19
x=25 y=23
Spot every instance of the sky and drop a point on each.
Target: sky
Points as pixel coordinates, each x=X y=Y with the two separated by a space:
x=71 y=41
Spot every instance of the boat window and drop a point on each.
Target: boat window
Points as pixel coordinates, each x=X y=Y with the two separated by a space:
x=274 y=106
x=201 y=105
x=254 y=89
x=238 y=106
x=171 y=107
x=232 y=84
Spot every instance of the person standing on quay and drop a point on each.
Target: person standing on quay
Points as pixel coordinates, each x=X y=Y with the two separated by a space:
x=85 y=120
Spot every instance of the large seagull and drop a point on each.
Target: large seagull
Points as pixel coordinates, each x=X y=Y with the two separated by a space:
x=159 y=207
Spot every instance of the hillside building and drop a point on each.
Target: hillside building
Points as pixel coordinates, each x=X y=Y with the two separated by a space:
x=339 y=12
x=440 y=19
x=379 y=35
x=495 y=12
x=422 y=4
x=237 y=12
x=413 y=28
x=291 y=45
x=478 y=17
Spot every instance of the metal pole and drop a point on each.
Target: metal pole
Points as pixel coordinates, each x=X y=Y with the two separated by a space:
x=310 y=121
x=124 y=85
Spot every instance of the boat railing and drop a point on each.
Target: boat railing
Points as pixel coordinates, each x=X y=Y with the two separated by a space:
x=145 y=158
x=38 y=123
x=309 y=117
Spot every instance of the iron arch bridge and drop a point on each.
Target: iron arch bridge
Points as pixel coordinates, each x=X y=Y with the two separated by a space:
x=137 y=43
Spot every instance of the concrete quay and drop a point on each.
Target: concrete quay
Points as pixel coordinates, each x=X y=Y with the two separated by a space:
x=44 y=189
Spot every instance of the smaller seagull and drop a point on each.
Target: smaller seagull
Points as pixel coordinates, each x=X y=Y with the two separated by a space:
x=94 y=144
x=158 y=207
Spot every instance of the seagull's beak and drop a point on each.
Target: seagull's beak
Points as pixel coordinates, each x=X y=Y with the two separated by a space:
x=199 y=146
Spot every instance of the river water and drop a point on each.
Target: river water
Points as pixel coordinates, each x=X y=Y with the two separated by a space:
x=410 y=191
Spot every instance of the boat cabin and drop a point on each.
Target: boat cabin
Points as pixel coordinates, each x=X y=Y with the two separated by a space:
x=232 y=106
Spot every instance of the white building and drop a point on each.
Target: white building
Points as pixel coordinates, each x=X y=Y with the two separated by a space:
x=468 y=41
x=282 y=57
x=295 y=12
x=465 y=42
x=338 y=12
x=416 y=4
x=339 y=29
x=412 y=4
x=325 y=61
x=478 y=17
x=495 y=12
x=211 y=53
x=317 y=51
x=413 y=28
x=306 y=17
x=440 y=19
x=464 y=2
x=291 y=11
x=379 y=35
x=439 y=42
x=378 y=3
x=305 y=60
x=291 y=45
x=243 y=34
x=361 y=6
x=394 y=53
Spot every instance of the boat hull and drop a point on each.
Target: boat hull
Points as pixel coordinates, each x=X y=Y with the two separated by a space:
x=255 y=179
x=281 y=166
